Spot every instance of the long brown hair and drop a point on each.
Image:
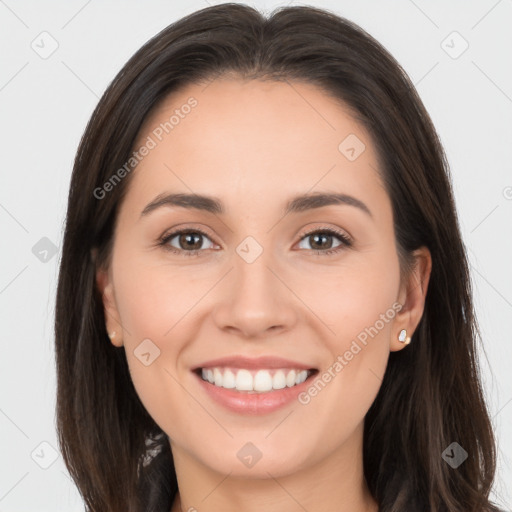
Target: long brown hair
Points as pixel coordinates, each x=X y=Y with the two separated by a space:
x=431 y=394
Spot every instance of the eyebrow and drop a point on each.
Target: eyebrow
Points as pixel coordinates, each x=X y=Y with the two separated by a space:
x=294 y=205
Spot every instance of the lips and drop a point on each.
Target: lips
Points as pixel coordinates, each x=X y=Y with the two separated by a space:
x=258 y=363
x=261 y=374
x=253 y=385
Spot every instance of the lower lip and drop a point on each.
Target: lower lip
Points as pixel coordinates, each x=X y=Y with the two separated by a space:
x=253 y=403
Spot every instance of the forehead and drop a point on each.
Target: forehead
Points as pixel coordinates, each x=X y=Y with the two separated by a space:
x=259 y=138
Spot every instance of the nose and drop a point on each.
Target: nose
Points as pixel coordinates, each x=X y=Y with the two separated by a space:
x=255 y=301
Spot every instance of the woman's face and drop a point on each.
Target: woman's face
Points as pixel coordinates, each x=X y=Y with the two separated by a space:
x=265 y=279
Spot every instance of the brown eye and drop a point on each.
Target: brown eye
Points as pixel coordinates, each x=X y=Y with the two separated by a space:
x=321 y=241
x=188 y=242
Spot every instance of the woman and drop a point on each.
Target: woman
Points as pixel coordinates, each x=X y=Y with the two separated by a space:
x=317 y=350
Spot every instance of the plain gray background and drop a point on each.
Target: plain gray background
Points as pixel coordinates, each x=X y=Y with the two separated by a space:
x=46 y=101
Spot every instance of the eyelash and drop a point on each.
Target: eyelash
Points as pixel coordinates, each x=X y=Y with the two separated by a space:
x=346 y=242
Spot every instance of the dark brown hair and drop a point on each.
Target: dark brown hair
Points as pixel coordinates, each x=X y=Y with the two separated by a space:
x=431 y=394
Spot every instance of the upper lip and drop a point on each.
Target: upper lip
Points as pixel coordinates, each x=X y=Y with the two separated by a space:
x=263 y=362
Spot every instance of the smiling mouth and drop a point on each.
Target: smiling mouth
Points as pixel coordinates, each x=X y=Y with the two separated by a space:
x=254 y=381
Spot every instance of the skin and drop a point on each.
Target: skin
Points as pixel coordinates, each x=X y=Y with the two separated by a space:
x=269 y=141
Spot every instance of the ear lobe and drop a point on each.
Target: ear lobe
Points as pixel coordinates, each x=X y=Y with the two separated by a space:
x=112 y=319
x=412 y=296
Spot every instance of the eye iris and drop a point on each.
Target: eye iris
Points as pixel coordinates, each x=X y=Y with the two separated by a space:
x=318 y=236
x=187 y=237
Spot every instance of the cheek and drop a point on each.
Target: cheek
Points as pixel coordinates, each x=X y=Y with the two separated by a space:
x=351 y=299
x=153 y=299
x=154 y=306
x=359 y=308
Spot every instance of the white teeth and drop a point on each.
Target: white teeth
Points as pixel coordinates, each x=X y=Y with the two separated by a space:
x=290 y=379
x=279 y=380
x=228 y=380
x=260 y=381
x=301 y=377
x=244 y=381
x=217 y=375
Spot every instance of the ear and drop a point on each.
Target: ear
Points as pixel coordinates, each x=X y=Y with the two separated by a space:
x=412 y=296
x=112 y=318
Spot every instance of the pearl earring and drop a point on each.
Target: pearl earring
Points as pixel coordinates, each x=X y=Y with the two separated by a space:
x=112 y=335
x=403 y=338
